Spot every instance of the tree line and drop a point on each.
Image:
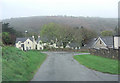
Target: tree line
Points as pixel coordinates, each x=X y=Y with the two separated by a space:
x=67 y=34
x=56 y=32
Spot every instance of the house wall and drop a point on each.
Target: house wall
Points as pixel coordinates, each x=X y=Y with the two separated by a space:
x=40 y=46
x=18 y=45
x=34 y=44
x=53 y=45
x=28 y=46
x=98 y=45
x=67 y=46
x=116 y=42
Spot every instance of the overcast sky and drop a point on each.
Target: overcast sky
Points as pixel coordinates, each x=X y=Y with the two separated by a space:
x=91 y=8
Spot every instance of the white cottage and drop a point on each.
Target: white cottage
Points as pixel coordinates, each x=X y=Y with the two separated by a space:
x=103 y=42
x=39 y=45
x=27 y=43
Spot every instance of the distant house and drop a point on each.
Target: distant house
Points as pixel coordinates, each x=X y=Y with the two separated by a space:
x=44 y=42
x=27 y=43
x=59 y=45
x=103 y=42
x=39 y=44
x=53 y=44
x=116 y=42
x=73 y=45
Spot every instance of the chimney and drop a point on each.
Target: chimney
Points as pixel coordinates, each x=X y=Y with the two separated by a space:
x=33 y=37
x=38 y=36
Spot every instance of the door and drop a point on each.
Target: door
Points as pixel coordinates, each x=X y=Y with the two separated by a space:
x=23 y=46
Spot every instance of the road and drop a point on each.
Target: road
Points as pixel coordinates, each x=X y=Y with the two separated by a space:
x=60 y=66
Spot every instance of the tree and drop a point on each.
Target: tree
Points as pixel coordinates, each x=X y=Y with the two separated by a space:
x=6 y=28
x=6 y=38
x=50 y=31
x=106 y=33
x=117 y=30
x=1 y=39
x=66 y=34
x=10 y=33
x=86 y=35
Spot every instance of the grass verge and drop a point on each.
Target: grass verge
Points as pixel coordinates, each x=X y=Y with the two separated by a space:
x=98 y=63
x=18 y=65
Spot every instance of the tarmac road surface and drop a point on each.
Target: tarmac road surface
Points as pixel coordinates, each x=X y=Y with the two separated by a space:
x=61 y=66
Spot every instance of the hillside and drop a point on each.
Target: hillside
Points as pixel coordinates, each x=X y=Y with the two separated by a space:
x=35 y=23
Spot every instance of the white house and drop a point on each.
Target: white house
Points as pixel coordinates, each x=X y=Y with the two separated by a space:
x=40 y=44
x=103 y=42
x=27 y=43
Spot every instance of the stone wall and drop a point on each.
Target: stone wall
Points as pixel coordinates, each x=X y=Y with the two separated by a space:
x=108 y=53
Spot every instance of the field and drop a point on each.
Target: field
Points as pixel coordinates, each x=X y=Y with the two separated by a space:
x=98 y=63
x=18 y=65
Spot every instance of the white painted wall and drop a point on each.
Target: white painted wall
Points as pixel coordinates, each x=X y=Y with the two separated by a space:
x=28 y=46
x=116 y=42
x=99 y=45
x=40 y=45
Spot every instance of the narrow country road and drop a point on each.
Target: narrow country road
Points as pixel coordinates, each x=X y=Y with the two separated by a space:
x=60 y=66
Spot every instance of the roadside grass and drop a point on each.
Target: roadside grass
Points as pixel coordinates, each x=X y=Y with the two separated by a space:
x=98 y=63
x=18 y=65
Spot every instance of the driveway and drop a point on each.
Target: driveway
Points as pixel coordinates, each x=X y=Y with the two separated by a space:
x=60 y=66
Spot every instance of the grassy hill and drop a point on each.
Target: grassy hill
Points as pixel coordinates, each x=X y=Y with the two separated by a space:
x=35 y=23
x=18 y=65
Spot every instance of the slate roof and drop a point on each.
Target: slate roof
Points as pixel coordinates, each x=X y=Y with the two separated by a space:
x=108 y=40
x=43 y=39
x=91 y=42
x=74 y=44
x=23 y=39
x=38 y=39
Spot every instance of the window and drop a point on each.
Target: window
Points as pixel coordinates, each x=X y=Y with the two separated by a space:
x=28 y=42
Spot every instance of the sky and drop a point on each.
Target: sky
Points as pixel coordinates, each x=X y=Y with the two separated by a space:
x=26 y=8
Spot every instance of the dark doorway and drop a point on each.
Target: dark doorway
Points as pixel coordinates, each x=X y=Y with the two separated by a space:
x=23 y=46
